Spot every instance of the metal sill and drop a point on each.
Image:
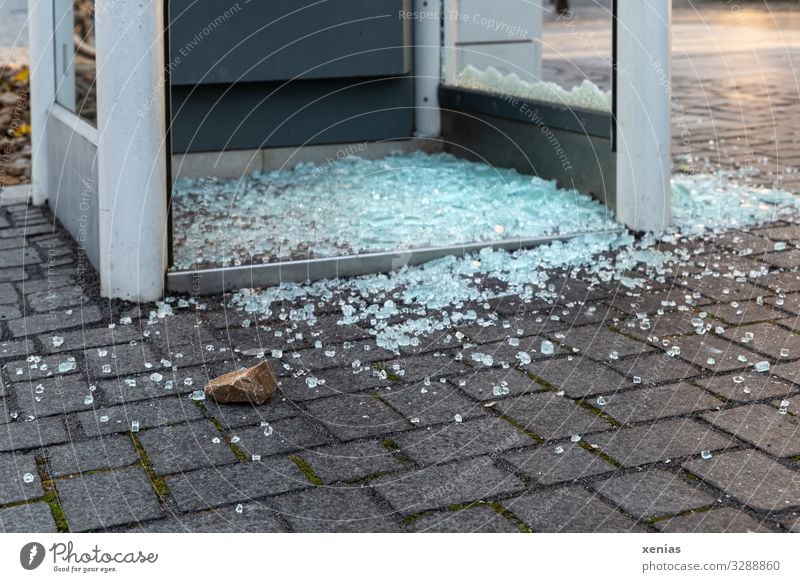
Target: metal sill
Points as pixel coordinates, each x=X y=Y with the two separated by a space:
x=541 y=113
x=223 y=279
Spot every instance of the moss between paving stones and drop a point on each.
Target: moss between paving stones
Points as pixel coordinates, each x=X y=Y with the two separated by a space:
x=367 y=479
x=601 y=454
x=656 y=519
x=159 y=484
x=306 y=469
x=392 y=446
x=240 y=454
x=51 y=496
x=518 y=426
x=495 y=505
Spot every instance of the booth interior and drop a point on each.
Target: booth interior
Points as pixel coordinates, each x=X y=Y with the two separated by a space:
x=315 y=140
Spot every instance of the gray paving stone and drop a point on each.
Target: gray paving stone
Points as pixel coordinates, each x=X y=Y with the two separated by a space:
x=652 y=493
x=50 y=282
x=744 y=243
x=325 y=329
x=13 y=275
x=43 y=367
x=724 y=289
x=656 y=368
x=315 y=359
x=433 y=366
x=655 y=301
x=545 y=466
x=439 y=404
x=589 y=313
x=792 y=525
x=204 y=353
x=793 y=407
x=13 y=487
x=476 y=519
x=183 y=447
x=60 y=298
x=11 y=243
x=438 y=341
x=743 y=313
x=149 y=413
x=108 y=452
x=28 y=518
x=700 y=349
x=19 y=257
x=457 y=440
x=784 y=305
x=789 y=371
x=128 y=388
x=351 y=461
x=16 y=348
x=27 y=230
x=786 y=282
x=767 y=339
x=783 y=233
x=18 y=436
x=6 y=410
x=670 y=324
x=440 y=486
x=760 y=386
x=337 y=509
x=354 y=416
x=504 y=354
x=240 y=482
x=9 y=312
x=8 y=295
x=337 y=381
x=785 y=259
x=254 y=518
x=723 y=265
x=104 y=500
x=50 y=322
x=184 y=333
x=500 y=329
x=233 y=416
x=120 y=359
x=569 y=509
x=599 y=343
x=659 y=441
x=91 y=338
x=287 y=435
x=579 y=377
x=721 y=520
x=659 y=402
x=480 y=383
x=53 y=396
x=550 y=416
x=762 y=426
x=752 y=478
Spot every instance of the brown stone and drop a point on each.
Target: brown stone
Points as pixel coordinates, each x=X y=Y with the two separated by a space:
x=252 y=385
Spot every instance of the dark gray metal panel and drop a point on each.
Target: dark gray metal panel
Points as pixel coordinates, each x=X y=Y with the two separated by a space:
x=208 y=281
x=218 y=42
x=259 y=115
x=580 y=161
x=584 y=121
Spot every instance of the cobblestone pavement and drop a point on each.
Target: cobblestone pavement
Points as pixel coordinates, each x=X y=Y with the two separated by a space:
x=692 y=441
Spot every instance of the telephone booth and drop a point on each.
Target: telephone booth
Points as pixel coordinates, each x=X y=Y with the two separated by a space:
x=197 y=147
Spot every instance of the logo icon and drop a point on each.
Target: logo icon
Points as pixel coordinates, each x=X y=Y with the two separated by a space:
x=31 y=555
